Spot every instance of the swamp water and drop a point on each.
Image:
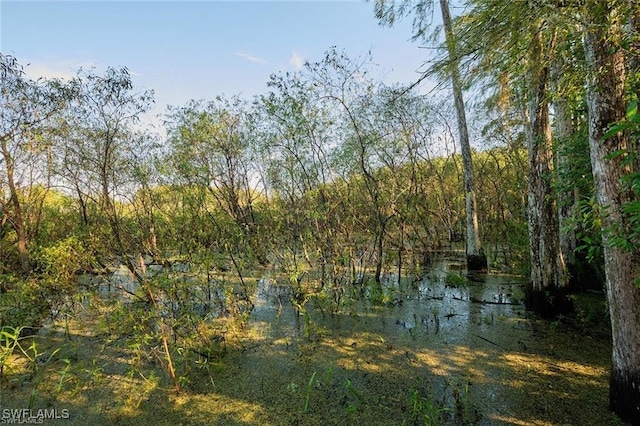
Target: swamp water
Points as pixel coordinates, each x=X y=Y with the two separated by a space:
x=438 y=353
x=442 y=350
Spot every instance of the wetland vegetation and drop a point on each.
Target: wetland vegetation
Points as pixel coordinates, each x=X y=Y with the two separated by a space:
x=306 y=256
x=418 y=351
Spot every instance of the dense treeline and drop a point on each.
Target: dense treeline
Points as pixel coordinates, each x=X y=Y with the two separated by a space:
x=331 y=182
x=330 y=179
x=329 y=165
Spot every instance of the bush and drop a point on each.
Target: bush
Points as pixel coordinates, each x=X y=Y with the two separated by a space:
x=27 y=302
x=23 y=305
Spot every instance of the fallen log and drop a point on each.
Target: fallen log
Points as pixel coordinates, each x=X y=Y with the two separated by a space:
x=485 y=302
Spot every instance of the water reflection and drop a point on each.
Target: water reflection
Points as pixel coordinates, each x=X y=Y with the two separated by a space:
x=424 y=310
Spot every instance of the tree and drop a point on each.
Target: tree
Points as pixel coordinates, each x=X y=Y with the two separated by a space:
x=144 y=164
x=612 y=160
x=387 y=14
x=408 y=124
x=510 y=48
x=99 y=138
x=580 y=242
x=212 y=149
x=503 y=204
x=345 y=87
x=476 y=258
x=548 y=271
x=498 y=28
x=298 y=136
x=26 y=109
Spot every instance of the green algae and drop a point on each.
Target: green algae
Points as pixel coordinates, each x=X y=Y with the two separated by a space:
x=442 y=355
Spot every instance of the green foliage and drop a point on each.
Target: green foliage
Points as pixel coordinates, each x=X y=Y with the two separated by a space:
x=176 y=322
x=308 y=392
x=10 y=340
x=379 y=294
x=574 y=173
x=501 y=186
x=29 y=302
x=455 y=279
x=423 y=410
x=14 y=344
x=24 y=305
x=58 y=218
x=353 y=393
x=587 y=223
x=59 y=263
x=329 y=175
x=631 y=123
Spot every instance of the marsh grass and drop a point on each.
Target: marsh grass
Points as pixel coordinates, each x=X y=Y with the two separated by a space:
x=424 y=410
x=308 y=392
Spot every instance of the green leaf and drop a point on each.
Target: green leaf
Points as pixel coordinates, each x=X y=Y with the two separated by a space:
x=616 y=154
x=632 y=111
x=632 y=207
x=630 y=122
x=615 y=129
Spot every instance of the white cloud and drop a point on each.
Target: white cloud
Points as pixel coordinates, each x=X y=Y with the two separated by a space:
x=36 y=71
x=252 y=58
x=296 y=60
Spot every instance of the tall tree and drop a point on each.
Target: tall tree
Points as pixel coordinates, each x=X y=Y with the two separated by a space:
x=346 y=87
x=510 y=48
x=606 y=64
x=297 y=149
x=493 y=32
x=476 y=259
x=212 y=149
x=567 y=191
x=573 y=176
x=548 y=272
x=387 y=12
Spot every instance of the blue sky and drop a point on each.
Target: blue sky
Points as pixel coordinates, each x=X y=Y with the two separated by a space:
x=199 y=49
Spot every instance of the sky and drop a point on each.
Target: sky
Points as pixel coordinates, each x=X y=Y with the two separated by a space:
x=200 y=49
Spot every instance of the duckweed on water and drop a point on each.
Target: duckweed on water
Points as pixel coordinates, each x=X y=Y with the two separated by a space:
x=356 y=367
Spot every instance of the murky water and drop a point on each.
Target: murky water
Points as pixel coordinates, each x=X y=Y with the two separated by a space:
x=463 y=354
x=428 y=309
x=442 y=349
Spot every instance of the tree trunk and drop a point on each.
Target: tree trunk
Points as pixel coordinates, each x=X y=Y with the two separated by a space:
x=16 y=218
x=380 y=250
x=567 y=196
x=546 y=291
x=476 y=259
x=633 y=32
x=633 y=62
x=606 y=105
